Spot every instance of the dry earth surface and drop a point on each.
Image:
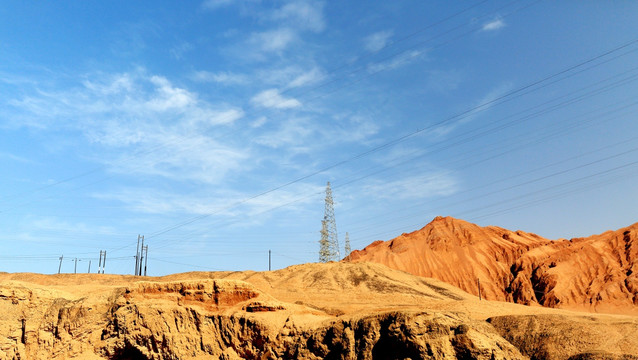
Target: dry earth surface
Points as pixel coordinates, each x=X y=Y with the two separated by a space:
x=311 y=311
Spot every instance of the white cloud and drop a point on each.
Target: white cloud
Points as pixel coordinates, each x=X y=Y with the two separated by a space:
x=415 y=187
x=198 y=158
x=306 y=78
x=361 y=128
x=224 y=203
x=302 y=14
x=273 y=99
x=155 y=201
x=223 y=77
x=259 y=122
x=396 y=62
x=291 y=133
x=170 y=125
x=291 y=76
x=495 y=24
x=377 y=41
x=273 y=40
x=169 y=97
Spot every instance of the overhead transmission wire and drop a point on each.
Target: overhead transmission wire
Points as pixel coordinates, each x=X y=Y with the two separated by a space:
x=184 y=139
x=572 y=169
x=476 y=162
x=464 y=113
x=519 y=206
x=160 y=146
x=431 y=202
x=420 y=43
x=324 y=170
x=474 y=134
x=616 y=155
x=552 y=197
x=588 y=61
x=518 y=185
x=455 y=195
x=567 y=193
x=340 y=184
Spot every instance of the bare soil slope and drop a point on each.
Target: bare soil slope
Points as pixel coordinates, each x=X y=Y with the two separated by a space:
x=310 y=311
x=597 y=273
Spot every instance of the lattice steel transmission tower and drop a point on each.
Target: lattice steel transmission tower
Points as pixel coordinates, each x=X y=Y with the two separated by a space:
x=346 y=246
x=329 y=243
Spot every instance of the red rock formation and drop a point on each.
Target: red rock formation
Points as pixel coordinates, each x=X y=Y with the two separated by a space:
x=598 y=273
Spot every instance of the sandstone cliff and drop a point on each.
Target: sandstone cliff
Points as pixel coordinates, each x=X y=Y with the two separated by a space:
x=310 y=311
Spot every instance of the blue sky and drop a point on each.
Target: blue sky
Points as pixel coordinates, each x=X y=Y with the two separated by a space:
x=212 y=127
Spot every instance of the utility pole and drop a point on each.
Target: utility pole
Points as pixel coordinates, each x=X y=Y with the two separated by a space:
x=88 y=272
x=75 y=270
x=99 y=265
x=141 y=258
x=145 y=258
x=138 y=259
x=269 y=253
x=60 y=267
x=104 y=262
x=329 y=243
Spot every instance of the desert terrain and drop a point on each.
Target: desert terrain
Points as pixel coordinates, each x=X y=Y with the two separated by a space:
x=347 y=310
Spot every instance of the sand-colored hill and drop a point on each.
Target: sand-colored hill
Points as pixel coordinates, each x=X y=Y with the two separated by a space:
x=310 y=311
x=598 y=273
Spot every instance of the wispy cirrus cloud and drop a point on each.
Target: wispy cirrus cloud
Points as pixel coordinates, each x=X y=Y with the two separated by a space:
x=290 y=76
x=301 y=14
x=168 y=124
x=221 y=203
x=222 y=77
x=428 y=184
x=275 y=40
x=291 y=133
x=396 y=62
x=493 y=25
x=282 y=27
x=377 y=41
x=272 y=98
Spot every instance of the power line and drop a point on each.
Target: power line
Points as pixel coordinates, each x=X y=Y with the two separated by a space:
x=184 y=139
x=529 y=116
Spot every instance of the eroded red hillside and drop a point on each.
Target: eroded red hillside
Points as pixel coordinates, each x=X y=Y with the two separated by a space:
x=597 y=273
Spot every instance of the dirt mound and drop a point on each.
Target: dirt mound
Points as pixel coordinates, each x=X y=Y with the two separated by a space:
x=597 y=273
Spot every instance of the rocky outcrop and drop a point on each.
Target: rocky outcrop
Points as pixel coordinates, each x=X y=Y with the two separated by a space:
x=309 y=311
x=598 y=273
x=226 y=319
x=595 y=273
